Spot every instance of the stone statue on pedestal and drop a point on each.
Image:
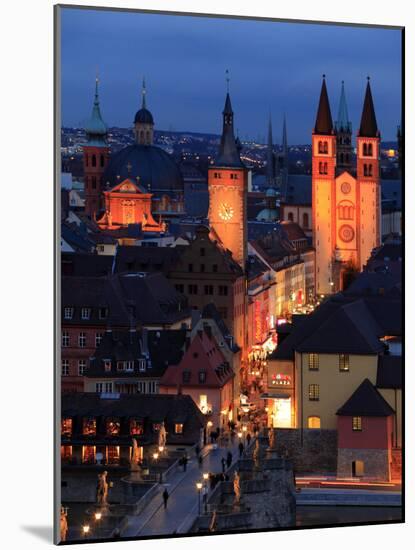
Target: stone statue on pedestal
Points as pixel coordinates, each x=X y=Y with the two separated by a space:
x=63 y=524
x=162 y=436
x=135 y=456
x=102 y=489
x=271 y=438
x=237 y=487
x=256 y=453
x=213 y=521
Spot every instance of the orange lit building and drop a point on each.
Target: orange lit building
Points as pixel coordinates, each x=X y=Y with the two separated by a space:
x=345 y=206
x=129 y=203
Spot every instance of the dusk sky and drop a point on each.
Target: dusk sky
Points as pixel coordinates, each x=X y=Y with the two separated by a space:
x=273 y=66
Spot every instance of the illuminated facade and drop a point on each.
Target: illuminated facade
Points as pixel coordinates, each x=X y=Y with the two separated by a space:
x=128 y=203
x=346 y=208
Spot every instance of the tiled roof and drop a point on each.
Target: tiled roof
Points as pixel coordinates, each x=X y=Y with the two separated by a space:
x=366 y=401
x=203 y=355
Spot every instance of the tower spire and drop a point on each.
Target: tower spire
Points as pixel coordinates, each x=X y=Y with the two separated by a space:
x=368 y=124
x=343 y=122
x=96 y=129
x=270 y=171
x=284 y=138
x=324 y=122
x=228 y=150
x=143 y=94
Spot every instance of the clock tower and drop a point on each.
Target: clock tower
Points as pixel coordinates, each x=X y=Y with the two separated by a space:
x=227 y=184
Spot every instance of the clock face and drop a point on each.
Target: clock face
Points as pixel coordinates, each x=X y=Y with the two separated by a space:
x=345 y=187
x=346 y=233
x=226 y=211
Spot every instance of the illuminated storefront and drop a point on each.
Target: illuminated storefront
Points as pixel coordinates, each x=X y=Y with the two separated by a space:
x=280 y=395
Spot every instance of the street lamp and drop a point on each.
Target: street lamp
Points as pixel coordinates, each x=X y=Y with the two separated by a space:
x=98 y=516
x=206 y=476
x=85 y=530
x=161 y=449
x=199 y=489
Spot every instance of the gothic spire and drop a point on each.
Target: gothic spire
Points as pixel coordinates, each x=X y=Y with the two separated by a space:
x=270 y=170
x=324 y=122
x=228 y=151
x=368 y=124
x=343 y=123
x=143 y=95
x=284 y=139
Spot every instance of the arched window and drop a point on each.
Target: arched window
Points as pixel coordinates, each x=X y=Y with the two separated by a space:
x=86 y=160
x=305 y=220
x=325 y=168
x=102 y=161
x=365 y=169
x=314 y=422
x=320 y=168
x=369 y=170
x=290 y=217
x=325 y=147
x=320 y=147
x=365 y=149
x=346 y=210
x=370 y=150
x=94 y=160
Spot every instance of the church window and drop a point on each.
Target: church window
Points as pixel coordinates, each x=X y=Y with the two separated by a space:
x=94 y=160
x=102 y=161
x=325 y=168
x=346 y=210
x=305 y=220
x=370 y=149
x=320 y=167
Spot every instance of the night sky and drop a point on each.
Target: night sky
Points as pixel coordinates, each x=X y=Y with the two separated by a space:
x=273 y=66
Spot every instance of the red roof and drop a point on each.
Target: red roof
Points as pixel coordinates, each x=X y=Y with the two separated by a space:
x=203 y=355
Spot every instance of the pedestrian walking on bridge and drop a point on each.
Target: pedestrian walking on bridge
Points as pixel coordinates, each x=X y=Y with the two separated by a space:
x=165 y=497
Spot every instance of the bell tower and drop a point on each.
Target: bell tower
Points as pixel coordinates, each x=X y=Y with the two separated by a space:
x=323 y=193
x=368 y=177
x=95 y=158
x=227 y=184
x=344 y=136
x=144 y=122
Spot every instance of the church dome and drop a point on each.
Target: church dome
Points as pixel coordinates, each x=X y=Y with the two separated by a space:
x=143 y=116
x=267 y=215
x=271 y=192
x=155 y=168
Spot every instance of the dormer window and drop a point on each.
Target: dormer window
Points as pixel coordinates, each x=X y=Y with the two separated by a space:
x=120 y=365
x=129 y=365
x=85 y=313
x=107 y=365
x=103 y=312
x=68 y=313
x=186 y=376
x=142 y=365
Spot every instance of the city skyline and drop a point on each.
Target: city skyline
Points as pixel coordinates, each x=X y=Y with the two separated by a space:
x=195 y=104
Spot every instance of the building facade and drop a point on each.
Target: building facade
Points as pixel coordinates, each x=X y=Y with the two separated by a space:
x=346 y=208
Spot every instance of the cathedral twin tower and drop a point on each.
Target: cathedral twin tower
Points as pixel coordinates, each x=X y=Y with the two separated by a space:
x=345 y=201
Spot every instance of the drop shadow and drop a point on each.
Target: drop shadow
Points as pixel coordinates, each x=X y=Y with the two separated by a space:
x=44 y=533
